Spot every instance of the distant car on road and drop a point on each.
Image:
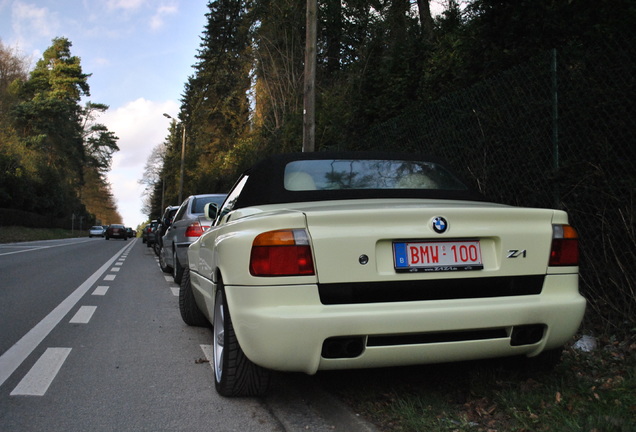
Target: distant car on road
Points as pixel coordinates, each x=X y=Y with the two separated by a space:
x=116 y=231
x=131 y=233
x=188 y=225
x=96 y=231
x=321 y=261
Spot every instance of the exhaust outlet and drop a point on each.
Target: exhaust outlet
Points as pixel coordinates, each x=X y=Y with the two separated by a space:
x=527 y=334
x=342 y=347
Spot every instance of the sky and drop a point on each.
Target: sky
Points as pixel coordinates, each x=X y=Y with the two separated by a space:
x=140 y=54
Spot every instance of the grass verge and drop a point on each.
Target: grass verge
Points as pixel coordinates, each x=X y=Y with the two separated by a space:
x=11 y=234
x=588 y=391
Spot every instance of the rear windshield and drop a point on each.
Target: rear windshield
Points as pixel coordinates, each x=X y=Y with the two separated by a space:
x=334 y=174
x=199 y=203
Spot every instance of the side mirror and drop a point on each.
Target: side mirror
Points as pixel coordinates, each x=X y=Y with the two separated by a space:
x=210 y=210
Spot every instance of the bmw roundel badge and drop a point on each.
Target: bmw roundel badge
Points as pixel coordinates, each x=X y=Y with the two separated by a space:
x=440 y=225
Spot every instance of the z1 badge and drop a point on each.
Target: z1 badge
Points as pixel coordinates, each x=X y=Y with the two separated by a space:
x=514 y=253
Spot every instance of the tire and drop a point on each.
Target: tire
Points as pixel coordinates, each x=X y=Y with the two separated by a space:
x=234 y=373
x=177 y=270
x=162 y=263
x=190 y=312
x=107 y=238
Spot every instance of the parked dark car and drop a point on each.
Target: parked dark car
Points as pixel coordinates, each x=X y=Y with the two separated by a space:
x=188 y=225
x=116 y=231
x=149 y=233
x=162 y=226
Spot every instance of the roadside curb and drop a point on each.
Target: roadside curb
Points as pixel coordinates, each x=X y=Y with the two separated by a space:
x=301 y=405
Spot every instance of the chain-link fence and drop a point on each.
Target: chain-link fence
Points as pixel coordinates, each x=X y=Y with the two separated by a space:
x=556 y=132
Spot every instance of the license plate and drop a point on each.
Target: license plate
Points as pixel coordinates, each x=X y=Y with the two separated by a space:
x=437 y=256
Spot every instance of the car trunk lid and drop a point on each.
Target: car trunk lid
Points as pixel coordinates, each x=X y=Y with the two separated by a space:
x=355 y=242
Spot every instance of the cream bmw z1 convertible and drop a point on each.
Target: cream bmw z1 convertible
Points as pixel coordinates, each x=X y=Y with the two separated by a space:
x=356 y=260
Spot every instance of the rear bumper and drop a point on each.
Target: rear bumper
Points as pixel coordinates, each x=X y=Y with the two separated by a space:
x=285 y=327
x=182 y=253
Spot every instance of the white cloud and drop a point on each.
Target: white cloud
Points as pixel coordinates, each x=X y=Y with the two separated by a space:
x=157 y=20
x=30 y=22
x=124 y=4
x=140 y=126
x=101 y=61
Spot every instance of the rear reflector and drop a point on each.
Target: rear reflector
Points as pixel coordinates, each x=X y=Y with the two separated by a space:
x=565 y=246
x=281 y=253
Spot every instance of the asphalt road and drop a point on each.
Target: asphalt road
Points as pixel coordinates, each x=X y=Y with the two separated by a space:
x=91 y=340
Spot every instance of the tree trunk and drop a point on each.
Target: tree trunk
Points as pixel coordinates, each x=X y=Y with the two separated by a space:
x=426 y=19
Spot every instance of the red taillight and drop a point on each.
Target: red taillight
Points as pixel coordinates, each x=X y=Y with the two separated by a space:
x=195 y=229
x=565 y=246
x=281 y=253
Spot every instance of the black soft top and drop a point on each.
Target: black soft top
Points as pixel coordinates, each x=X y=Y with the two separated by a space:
x=265 y=183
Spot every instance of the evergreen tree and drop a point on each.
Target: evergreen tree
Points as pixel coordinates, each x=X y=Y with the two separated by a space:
x=60 y=144
x=377 y=60
x=215 y=107
x=48 y=121
x=279 y=54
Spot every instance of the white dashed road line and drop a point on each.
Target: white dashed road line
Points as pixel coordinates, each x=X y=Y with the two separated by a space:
x=41 y=375
x=100 y=290
x=83 y=315
x=14 y=356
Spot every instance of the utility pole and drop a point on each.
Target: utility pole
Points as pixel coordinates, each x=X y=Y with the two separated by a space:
x=183 y=139
x=309 y=112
